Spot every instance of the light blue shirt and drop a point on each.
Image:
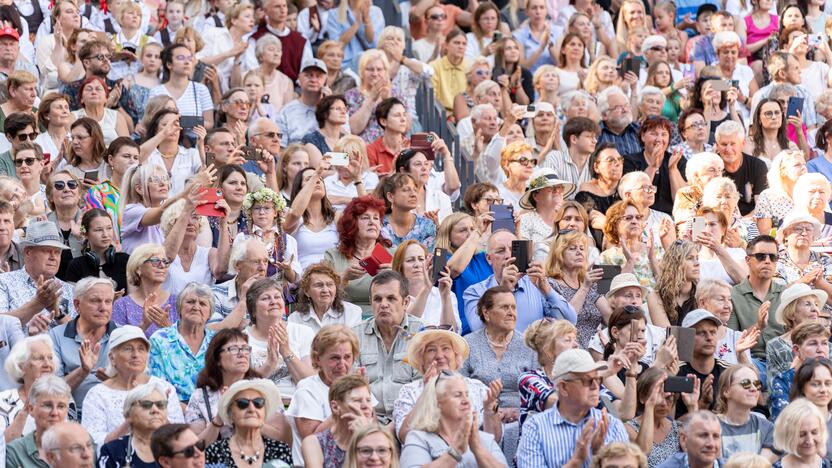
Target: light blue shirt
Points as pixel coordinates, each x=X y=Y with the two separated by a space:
x=821 y=165
x=530 y=45
x=359 y=42
x=295 y=120
x=531 y=304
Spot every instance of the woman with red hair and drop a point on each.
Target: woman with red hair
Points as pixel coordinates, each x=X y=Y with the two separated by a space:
x=359 y=230
x=93 y=96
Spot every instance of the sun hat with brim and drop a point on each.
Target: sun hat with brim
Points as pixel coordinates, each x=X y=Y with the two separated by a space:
x=797 y=217
x=697 y=315
x=625 y=280
x=795 y=292
x=43 y=234
x=543 y=177
x=575 y=361
x=264 y=387
x=416 y=346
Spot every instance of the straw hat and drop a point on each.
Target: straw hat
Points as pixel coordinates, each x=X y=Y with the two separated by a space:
x=543 y=177
x=795 y=292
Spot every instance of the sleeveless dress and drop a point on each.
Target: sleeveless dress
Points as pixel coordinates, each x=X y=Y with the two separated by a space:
x=334 y=457
x=755 y=34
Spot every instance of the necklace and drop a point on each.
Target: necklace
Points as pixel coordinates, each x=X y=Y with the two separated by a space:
x=250 y=459
x=499 y=345
x=164 y=156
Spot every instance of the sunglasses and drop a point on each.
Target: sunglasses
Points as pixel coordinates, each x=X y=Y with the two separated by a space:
x=191 y=451
x=588 y=382
x=244 y=403
x=438 y=17
x=148 y=404
x=525 y=161
x=761 y=257
x=26 y=161
x=60 y=184
x=748 y=383
x=158 y=262
x=271 y=135
x=27 y=136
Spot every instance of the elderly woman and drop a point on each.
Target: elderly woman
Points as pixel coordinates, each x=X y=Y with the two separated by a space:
x=721 y=195
x=518 y=162
x=798 y=262
x=351 y=181
x=245 y=406
x=374 y=70
x=311 y=219
x=63 y=194
x=732 y=346
x=673 y=296
x=768 y=131
x=497 y=352
x=567 y=269
x=128 y=353
x=543 y=198
x=145 y=409
x=146 y=305
x=331 y=115
x=436 y=306
x=372 y=446
x=29 y=359
x=693 y=129
x=359 y=230
x=319 y=302
x=85 y=156
x=338 y=78
x=800 y=433
x=277 y=86
x=727 y=46
x=477 y=71
x=445 y=426
x=547 y=338
x=49 y=403
x=738 y=391
x=799 y=303
x=22 y=89
x=406 y=74
x=717 y=259
x=93 y=97
x=700 y=169
x=234 y=111
x=811 y=194
x=775 y=202
x=263 y=210
x=29 y=169
x=638 y=188
x=623 y=232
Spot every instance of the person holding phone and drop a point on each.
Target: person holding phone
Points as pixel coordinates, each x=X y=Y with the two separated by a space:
x=435 y=306
x=84 y=157
x=814 y=74
x=699 y=170
x=192 y=99
x=623 y=233
x=717 y=259
x=432 y=199
x=161 y=146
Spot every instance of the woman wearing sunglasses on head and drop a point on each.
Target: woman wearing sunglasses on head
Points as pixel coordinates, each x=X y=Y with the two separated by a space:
x=245 y=406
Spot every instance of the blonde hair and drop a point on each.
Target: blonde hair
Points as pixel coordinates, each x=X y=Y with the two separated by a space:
x=542 y=70
x=443 y=232
x=618 y=450
x=622 y=30
x=592 y=84
x=787 y=426
x=236 y=11
x=370 y=56
x=671 y=277
x=426 y=413
x=747 y=460
x=390 y=31
x=726 y=379
x=776 y=171
x=128 y=6
x=172 y=214
x=137 y=259
x=353 y=144
x=481 y=89
x=800 y=194
x=511 y=151
x=332 y=335
x=351 y=460
x=554 y=262
x=325 y=46
x=541 y=334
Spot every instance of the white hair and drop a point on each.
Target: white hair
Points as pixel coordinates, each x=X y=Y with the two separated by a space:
x=604 y=96
x=263 y=42
x=20 y=355
x=83 y=286
x=775 y=170
x=198 y=290
x=700 y=160
x=724 y=38
x=238 y=253
x=729 y=128
x=49 y=385
x=800 y=193
x=629 y=180
x=140 y=393
x=51 y=439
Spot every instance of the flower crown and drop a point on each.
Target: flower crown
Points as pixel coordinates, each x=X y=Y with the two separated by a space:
x=537 y=183
x=264 y=195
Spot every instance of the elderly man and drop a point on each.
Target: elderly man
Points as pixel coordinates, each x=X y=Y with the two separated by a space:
x=485 y=121
x=297 y=118
x=296 y=48
x=176 y=446
x=248 y=262
x=81 y=344
x=535 y=297
x=68 y=445
x=701 y=440
x=33 y=294
x=221 y=142
x=581 y=137
x=382 y=341
x=617 y=121
x=784 y=68
x=560 y=435
x=10 y=58
x=49 y=403
x=747 y=172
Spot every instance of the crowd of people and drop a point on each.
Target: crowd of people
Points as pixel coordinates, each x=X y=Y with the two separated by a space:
x=227 y=239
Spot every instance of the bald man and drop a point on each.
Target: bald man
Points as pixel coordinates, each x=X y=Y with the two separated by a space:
x=68 y=445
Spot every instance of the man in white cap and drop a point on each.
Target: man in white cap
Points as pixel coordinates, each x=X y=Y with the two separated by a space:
x=297 y=118
x=33 y=292
x=704 y=365
x=573 y=429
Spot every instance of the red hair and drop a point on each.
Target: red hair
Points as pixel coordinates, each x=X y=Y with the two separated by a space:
x=348 y=224
x=91 y=80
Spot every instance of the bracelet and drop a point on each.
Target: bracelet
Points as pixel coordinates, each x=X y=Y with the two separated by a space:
x=631 y=376
x=289 y=358
x=358 y=182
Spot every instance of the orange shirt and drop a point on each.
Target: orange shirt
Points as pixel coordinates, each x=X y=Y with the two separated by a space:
x=418 y=27
x=380 y=156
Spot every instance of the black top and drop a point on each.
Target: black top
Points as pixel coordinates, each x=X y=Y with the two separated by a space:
x=664 y=195
x=685 y=369
x=750 y=180
x=113 y=455
x=83 y=266
x=220 y=452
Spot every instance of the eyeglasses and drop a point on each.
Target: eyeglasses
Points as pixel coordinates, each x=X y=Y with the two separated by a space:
x=524 y=161
x=648 y=188
x=748 y=383
x=438 y=17
x=101 y=57
x=244 y=403
x=78 y=137
x=190 y=451
x=762 y=256
x=629 y=218
x=148 y=404
x=26 y=161
x=588 y=382
x=772 y=114
x=493 y=201
x=157 y=179
x=367 y=452
x=612 y=159
x=481 y=72
x=238 y=350
x=271 y=135
x=76 y=449
x=658 y=48
x=438 y=327
x=801 y=230
x=27 y=136
x=158 y=262
x=60 y=184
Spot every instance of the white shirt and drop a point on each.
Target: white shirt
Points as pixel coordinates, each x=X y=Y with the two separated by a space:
x=185 y=165
x=300 y=342
x=713 y=269
x=433 y=308
x=194 y=101
x=305 y=27
x=218 y=41
x=335 y=188
x=199 y=272
x=815 y=78
x=350 y=317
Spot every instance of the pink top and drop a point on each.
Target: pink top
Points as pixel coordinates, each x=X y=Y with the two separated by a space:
x=755 y=34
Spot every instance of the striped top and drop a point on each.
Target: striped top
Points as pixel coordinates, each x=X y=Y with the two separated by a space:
x=106 y=197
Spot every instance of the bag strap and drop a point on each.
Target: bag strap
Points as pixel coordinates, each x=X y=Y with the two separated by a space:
x=207 y=404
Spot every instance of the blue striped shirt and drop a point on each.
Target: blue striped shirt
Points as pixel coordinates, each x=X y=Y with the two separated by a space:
x=548 y=439
x=627 y=142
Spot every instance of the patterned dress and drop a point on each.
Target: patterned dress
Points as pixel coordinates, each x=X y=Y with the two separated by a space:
x=589 y=317
x=105 y=196
x=663 y=450
x=220 y=452
x=334 y=457
x=355 y=99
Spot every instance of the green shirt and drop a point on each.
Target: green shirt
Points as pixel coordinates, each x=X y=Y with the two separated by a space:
x=744 y=317
x=7 y=165
x=23 y=453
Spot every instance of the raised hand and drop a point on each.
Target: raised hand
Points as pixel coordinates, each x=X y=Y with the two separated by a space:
x=493 y=395
x=600 y=432
x=762 y=315
x=747 y=340
x=88 y=354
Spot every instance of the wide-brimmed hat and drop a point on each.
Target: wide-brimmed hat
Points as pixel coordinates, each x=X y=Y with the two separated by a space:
x=575 y=361
x=265 y=387
x=43 y=234
x=625 y=280
x=796 y=217
x=417 y=343
x=543 y=177
x=795 y=292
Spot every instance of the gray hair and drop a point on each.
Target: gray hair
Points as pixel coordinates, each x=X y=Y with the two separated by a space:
x=257 y=125
x=265 y=41
x=782 y=90
x=700 y=160
x=729 y=128
x=51 y=439
x=83 y=286
x=690 y=418
x=708 y=287
x=20 y=355
x=807 y=181
x=714 y=186
x=567 y=98
x=483 y=87
x=480 y=109
x=628 y=181
x=198 y=290
x=604 y=96
x=175 y=211
x=651 y=91
x=238 y=253
x=142 y=392
x=49 y=385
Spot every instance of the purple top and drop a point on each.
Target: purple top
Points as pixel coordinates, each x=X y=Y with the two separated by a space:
x=133 y=234
x=334 y=457
x=127 y=312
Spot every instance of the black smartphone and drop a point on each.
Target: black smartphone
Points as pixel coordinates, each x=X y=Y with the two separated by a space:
x=497 y=72
x=610 y=272
x=91 y=175
x=199 y=72
x=497 y=36
x=735 y=84
x=675 y=384
x=795 y=105
x=191 y=121
x=521 y=250
x=440 y=261
x=503 y=218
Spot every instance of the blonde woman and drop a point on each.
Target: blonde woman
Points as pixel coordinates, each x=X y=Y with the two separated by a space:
x=799 y=304
x=478 y=71
x=623 y=231
x=372 y=446
x=674 y=295
x=354 y=180
x=775 y=202
x=602 y=74
x=812 y=193
x=405 y=73
x=518 y=162
x=800 y=433
x=374 y=70
x=631 y=15
x=546 y=82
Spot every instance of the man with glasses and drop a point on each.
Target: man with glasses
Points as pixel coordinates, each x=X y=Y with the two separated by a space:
x=95 y=57
x=68 y=445
x=617 y=121
x=704 y=366
x=747 y=172
x=17 y=128
x=221 y=145
x=176 y=446
x=265 y=135
x=572 y=164
x=248 y=261
x=297 y=118
x=574 y=429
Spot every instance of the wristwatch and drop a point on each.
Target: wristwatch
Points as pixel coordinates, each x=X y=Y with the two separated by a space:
x=454 y=454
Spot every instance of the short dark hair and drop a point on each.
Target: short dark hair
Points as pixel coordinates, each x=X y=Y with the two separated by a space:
x=325 y=105
x=6 y=207
x=762 y=238
x=258 y=288
x=577 y=125
x=163 y=436
x=391 y=183
x=593 y=158
x=388 y=276
x=117 y=144
x=384 y=108
x=651 y=123
x=210 y=135
x=17 y=122
x=487 y=299
x=474 y=193
x=211 y=375
x=823 y=136
x=87 y=49
x=402 y=163
x=680 y=124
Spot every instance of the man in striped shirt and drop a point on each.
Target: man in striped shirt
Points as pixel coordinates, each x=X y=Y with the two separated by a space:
x=571 y=431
